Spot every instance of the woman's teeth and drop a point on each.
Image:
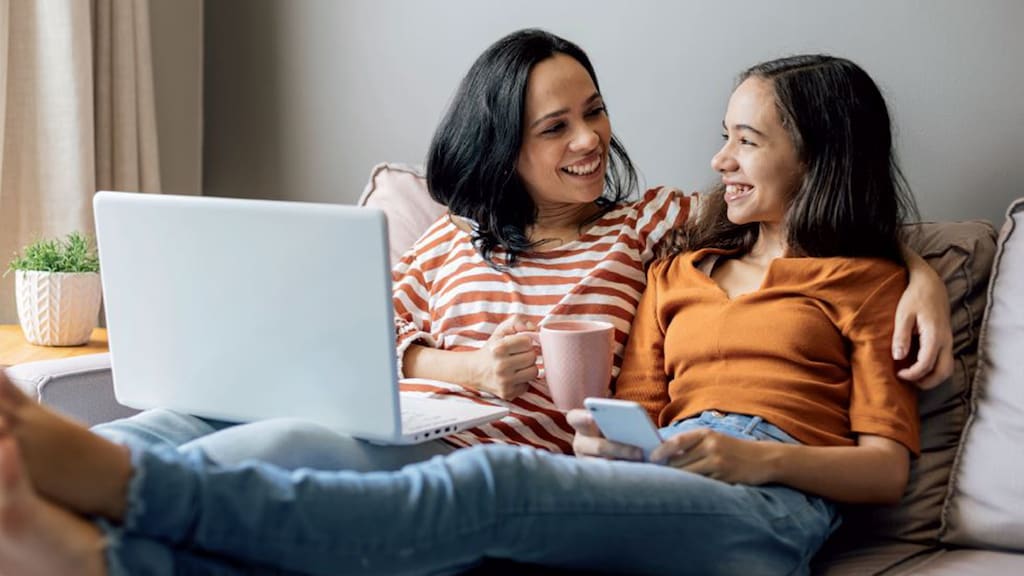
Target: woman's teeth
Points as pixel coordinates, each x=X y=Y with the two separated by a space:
x=583 y=169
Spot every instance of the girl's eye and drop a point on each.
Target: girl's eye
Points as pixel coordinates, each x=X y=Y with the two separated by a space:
x=746 y=142
x=597 y=111
x=725 y=136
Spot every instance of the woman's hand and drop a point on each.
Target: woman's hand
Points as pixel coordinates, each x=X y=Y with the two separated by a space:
x=590 y=442
x=507 y=363
x=924 y=310
x=717 y=456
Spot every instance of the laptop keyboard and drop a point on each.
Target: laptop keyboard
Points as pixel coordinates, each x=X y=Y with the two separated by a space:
x=413 y=419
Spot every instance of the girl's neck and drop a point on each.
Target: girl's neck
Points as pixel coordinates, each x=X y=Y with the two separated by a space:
x=770 y=244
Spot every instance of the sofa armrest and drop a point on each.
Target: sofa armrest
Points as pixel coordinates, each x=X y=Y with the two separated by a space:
x=81 y=387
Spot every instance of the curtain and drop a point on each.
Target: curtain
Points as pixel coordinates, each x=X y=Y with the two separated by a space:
x=77 y=115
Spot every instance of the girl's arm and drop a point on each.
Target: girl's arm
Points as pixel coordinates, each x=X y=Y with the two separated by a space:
x=874 y=471
x=923 y=310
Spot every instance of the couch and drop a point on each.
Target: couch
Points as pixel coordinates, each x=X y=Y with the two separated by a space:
x=963 y=510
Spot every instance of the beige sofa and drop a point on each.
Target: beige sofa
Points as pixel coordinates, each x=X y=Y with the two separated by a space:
x=963 y=511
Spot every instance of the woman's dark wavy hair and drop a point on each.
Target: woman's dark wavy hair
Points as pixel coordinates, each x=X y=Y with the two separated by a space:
x=471 y=165
x=853 y=198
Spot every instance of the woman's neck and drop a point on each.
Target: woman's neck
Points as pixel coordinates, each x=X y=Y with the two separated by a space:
x=561 y=222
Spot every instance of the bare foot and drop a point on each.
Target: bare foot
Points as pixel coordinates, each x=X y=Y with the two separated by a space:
x=37 y=537
x=67 y=464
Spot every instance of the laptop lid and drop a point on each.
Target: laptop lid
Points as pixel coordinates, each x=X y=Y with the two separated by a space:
x=246 y=309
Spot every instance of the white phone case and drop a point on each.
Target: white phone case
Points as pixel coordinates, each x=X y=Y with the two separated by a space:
x=624 y=422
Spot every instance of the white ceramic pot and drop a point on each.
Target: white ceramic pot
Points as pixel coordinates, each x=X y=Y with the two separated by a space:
x=57 y=308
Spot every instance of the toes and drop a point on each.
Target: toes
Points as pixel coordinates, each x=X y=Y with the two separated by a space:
x=10 y=395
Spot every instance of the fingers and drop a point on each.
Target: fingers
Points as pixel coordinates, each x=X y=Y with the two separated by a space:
x=903 y=333
x=512 y=325
x=601 y=448
x=681 y=447
x=583 y=422
x=940 y=372
x=590 y=442
x=927 y=356
x=515 y=344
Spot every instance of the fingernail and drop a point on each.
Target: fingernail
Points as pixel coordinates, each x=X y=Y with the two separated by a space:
x=898 y=352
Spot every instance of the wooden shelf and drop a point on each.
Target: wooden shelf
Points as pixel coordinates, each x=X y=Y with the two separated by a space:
x=14 y=349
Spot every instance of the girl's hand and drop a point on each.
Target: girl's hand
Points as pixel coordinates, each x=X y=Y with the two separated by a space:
x=590 y=442
x=718 y=456
x=924 y=310
x=508 y=361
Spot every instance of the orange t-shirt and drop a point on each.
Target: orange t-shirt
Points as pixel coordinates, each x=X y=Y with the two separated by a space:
x=809 y=351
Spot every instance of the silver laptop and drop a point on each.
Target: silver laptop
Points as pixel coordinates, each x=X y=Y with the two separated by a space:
x=248 y=309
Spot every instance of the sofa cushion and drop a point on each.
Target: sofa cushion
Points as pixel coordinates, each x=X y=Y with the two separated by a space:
x=965 y=563
x=962 y=254
x=401 y=192
x=987 y=496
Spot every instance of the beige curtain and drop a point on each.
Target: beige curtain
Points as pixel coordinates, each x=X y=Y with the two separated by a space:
x=76 y=115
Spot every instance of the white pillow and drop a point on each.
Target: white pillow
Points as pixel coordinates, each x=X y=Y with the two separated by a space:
x=986 y=503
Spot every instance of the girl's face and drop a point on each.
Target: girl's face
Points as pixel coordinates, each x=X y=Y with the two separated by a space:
x=566 y=135
x=759 y=163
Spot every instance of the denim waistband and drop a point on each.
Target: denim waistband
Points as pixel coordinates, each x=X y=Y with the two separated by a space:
x=742 y=426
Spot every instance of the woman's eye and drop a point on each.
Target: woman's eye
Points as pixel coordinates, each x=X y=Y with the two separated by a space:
x=747 y=142
x=597 y=111
x=725 y=136
x=554 y=129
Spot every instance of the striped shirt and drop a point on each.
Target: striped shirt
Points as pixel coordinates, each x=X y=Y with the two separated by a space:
x=448 y=297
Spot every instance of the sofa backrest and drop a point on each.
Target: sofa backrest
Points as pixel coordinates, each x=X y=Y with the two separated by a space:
x=962 y=254
x=987 y=497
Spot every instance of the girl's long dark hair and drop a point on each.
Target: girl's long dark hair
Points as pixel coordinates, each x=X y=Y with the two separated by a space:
x=854 y=197
x=471 y=165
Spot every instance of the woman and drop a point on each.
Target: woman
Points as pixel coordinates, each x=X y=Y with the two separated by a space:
x=539 y=229
x=751 y=495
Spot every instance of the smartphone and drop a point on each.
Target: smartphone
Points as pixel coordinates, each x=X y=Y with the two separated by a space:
x=624 y=422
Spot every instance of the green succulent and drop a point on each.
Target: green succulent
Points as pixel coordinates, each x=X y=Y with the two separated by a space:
x=75 y=253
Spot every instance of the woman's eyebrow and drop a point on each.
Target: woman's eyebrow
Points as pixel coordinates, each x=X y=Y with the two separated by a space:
x=560 y=111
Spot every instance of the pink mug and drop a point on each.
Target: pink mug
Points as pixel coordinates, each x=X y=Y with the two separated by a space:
x=577 y=360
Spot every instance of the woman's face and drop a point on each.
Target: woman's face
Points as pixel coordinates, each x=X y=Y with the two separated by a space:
x=566 y=135
x=759 y=163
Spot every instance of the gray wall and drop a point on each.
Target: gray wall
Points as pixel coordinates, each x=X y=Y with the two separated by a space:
x=303 y=97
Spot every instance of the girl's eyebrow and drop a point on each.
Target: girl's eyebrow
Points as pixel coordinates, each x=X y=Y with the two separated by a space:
x=743 y=127
x=560 y=111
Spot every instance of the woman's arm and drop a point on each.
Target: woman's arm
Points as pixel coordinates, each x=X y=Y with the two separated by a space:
x=504 y=366
x=923 y=310
x=874 y=471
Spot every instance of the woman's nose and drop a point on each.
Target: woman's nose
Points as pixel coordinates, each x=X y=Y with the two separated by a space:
x=585 y=138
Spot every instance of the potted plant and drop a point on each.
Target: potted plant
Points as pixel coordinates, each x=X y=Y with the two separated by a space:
x=57 y=286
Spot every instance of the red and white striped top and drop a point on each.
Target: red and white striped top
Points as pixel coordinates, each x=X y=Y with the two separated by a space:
x=445 y=295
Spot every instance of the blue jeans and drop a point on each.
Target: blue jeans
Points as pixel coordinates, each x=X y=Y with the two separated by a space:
x=447 y=514
x=285 y=442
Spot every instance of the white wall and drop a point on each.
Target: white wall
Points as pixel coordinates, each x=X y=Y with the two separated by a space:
x=303 y=97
